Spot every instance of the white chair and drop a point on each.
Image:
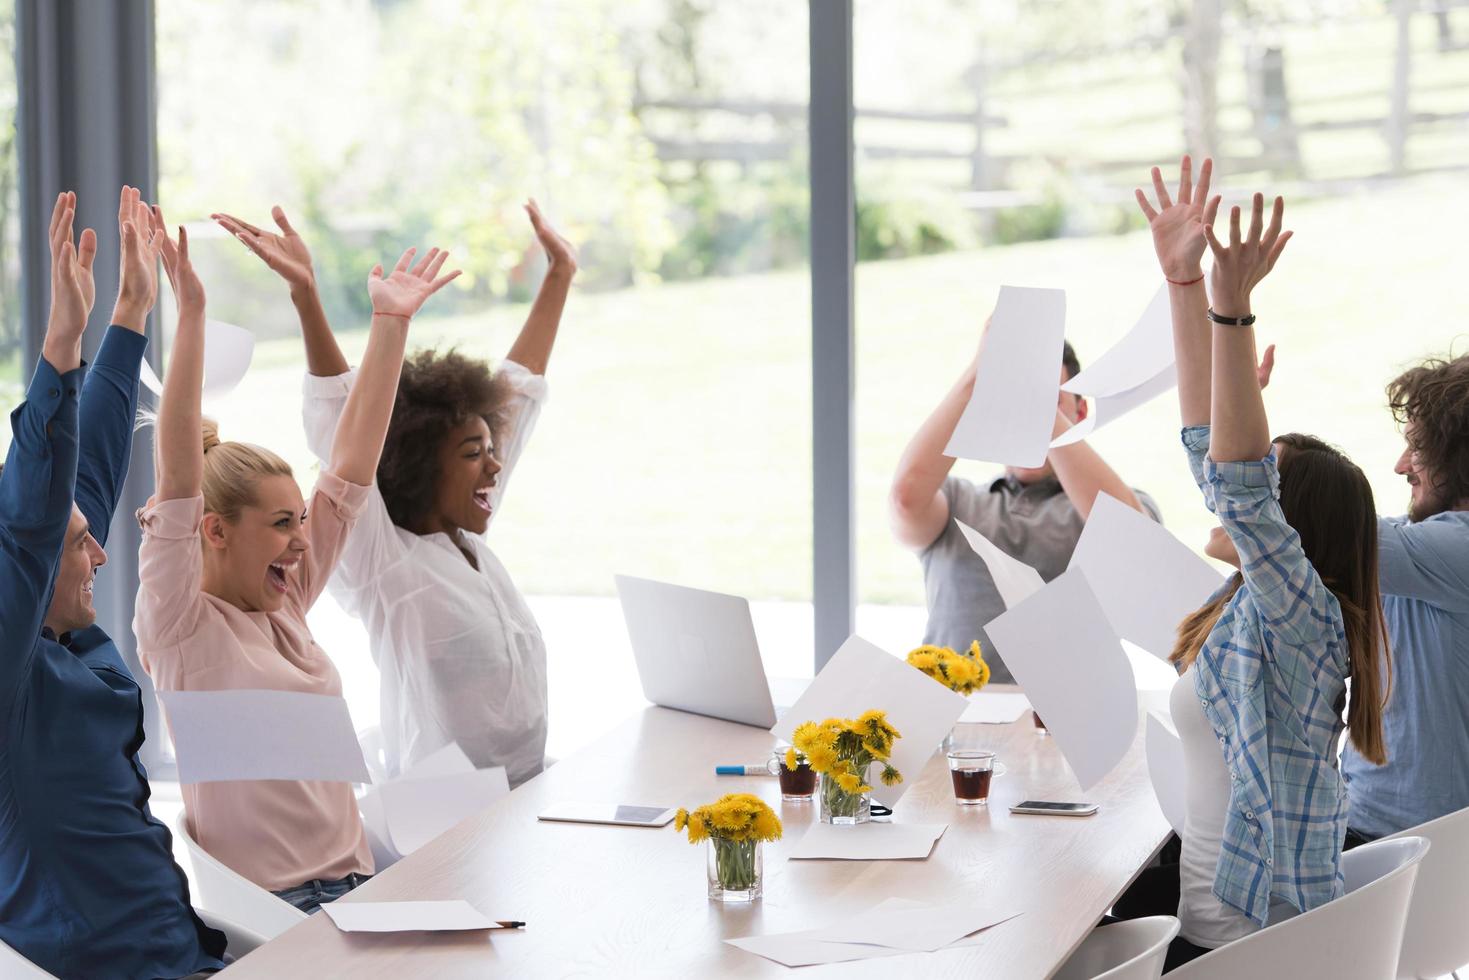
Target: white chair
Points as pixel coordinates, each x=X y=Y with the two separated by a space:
x=226 y=893
x=1436 y=941
x=1131 y=950
x=239 y=941
x=1356 y=937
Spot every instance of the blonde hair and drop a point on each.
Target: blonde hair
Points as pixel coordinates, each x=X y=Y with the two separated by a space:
x=232 y=470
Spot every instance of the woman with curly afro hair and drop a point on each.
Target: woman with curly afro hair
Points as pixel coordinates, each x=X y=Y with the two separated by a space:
x=460 y=656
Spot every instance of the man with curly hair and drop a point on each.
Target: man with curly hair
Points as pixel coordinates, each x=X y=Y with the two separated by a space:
x=1424 y=572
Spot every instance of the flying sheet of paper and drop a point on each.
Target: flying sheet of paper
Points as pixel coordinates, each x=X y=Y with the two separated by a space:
x=452 y=916
x=1010 y=415
x=801 y=949
x=1107 y=409
x=1013 y=578
x=860 y=677
x=868 y=841
x=221 y=735
x=1062 y=651
x=445 y=762
x=1146 y=580
x=994 y=708
x=1166 y=769
x=227 y=353
x=922 y=929
x=418 y=809
x=1140 y=355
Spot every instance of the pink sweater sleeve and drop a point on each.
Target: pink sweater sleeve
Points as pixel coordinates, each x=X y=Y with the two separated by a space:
x=334 y=508
x=170 y=576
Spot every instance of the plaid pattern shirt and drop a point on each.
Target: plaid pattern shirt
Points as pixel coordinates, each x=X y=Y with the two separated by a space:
x=1272 y=681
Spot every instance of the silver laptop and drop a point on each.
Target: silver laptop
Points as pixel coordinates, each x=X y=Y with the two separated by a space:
x=696 y=651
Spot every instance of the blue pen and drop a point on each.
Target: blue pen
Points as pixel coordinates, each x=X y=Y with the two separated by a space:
x=741 y=771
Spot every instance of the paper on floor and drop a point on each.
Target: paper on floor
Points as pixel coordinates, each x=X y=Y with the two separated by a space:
x=1145 y=579
x=1062 y=651
x=244 y=734
x=1012 y=411
x=1140 y=355
x=868 y=841
x=994 y=708
x=452 y=916
x=860 y=677
x=1013 y=578
x=1106 y=409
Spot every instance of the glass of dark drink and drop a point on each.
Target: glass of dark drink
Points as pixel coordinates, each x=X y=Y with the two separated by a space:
x=797 y=785
x=971 y=770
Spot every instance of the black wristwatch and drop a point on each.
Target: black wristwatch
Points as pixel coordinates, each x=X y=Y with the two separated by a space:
x=1232 y=321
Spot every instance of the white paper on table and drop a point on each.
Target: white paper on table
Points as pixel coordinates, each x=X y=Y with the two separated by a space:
x=1063 y=652
x=1012 y=411
x=1146 y=580
x=994 y=708
x=223 y=735
x=861 y=677
x=227 y=353
x=452 y=916
x=1166 y=769
x=1140 y=355
x=868 y=841
x=1107 y=409
x=802 y=949
x=418 y=809
x=921 y=929
x=1013 y=578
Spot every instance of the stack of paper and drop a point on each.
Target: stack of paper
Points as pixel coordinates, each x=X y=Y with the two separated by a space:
x=893 y=928
x=453 y=916
x=868 y=841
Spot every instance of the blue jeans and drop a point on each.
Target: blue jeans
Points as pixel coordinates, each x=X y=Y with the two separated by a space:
x=311 y=896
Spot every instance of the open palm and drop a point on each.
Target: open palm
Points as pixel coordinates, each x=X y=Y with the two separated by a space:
x=559 y=252
x=405 y=289
x=286 y=254
x=1178 y=226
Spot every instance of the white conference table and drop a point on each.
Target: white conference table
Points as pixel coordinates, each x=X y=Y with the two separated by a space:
x=621 y=901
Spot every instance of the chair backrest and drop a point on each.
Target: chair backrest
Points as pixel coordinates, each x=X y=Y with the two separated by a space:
x=13 y=966
x=1356 y=937
x=1435 y=941
x=231 y=895
x=1131 y=950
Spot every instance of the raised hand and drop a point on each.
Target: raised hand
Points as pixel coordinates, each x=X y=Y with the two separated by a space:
x=1178 y=226
x=1240 y=266
x=559 y=252
x=405 y=289
x=72 y=286
x=286 y=254
x=137 y=281
x=188 y=290
x=1266 y=367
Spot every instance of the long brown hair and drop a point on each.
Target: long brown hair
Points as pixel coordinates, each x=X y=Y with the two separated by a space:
x=1328 y=502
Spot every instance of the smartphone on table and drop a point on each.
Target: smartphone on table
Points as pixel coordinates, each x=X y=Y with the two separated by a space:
x=1055 y=809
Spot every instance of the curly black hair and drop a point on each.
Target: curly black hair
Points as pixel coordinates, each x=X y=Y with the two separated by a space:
x=437 y=393
x=1434 y=396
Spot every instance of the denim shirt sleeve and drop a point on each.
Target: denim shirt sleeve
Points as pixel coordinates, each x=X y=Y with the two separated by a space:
x=35 y=505
x=1426 y=560
x=109 y=407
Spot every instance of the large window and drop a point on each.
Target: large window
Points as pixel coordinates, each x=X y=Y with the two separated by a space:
x=11 y=369
x=1000 y=144
x=667 y=138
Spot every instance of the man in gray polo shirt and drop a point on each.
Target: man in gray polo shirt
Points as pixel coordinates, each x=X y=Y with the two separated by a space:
x=1035 y=515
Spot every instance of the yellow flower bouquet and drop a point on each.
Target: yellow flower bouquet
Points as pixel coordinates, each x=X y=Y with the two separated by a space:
x=842 y=750
x=734 y=825
x=963 y=673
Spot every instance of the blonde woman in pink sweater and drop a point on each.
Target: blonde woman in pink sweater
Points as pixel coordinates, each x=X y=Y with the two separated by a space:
x=232 y=559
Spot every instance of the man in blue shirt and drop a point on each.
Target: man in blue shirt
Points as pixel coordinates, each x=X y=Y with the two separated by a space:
x=88 y=886
x=1424 y=575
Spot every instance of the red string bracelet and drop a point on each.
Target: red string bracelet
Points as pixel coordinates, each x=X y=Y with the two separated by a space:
x=1175 y=282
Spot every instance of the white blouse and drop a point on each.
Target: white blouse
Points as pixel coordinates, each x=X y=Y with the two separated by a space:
x=460 y=656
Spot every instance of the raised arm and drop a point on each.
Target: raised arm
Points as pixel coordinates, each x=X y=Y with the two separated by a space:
x=288 y=257
x=532 y=348
x=1239 y=429
x=1083 y=473
x=917 y=507
x=395 y=299
x=180 y=454
x=109 y=403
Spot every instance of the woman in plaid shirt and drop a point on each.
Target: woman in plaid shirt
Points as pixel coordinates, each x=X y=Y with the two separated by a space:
x=1264 y=663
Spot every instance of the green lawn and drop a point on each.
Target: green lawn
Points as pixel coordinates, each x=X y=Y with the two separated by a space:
x=677 y=439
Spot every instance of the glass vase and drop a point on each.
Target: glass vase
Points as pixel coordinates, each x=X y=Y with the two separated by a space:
x=840 y=807
x=735 y=870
